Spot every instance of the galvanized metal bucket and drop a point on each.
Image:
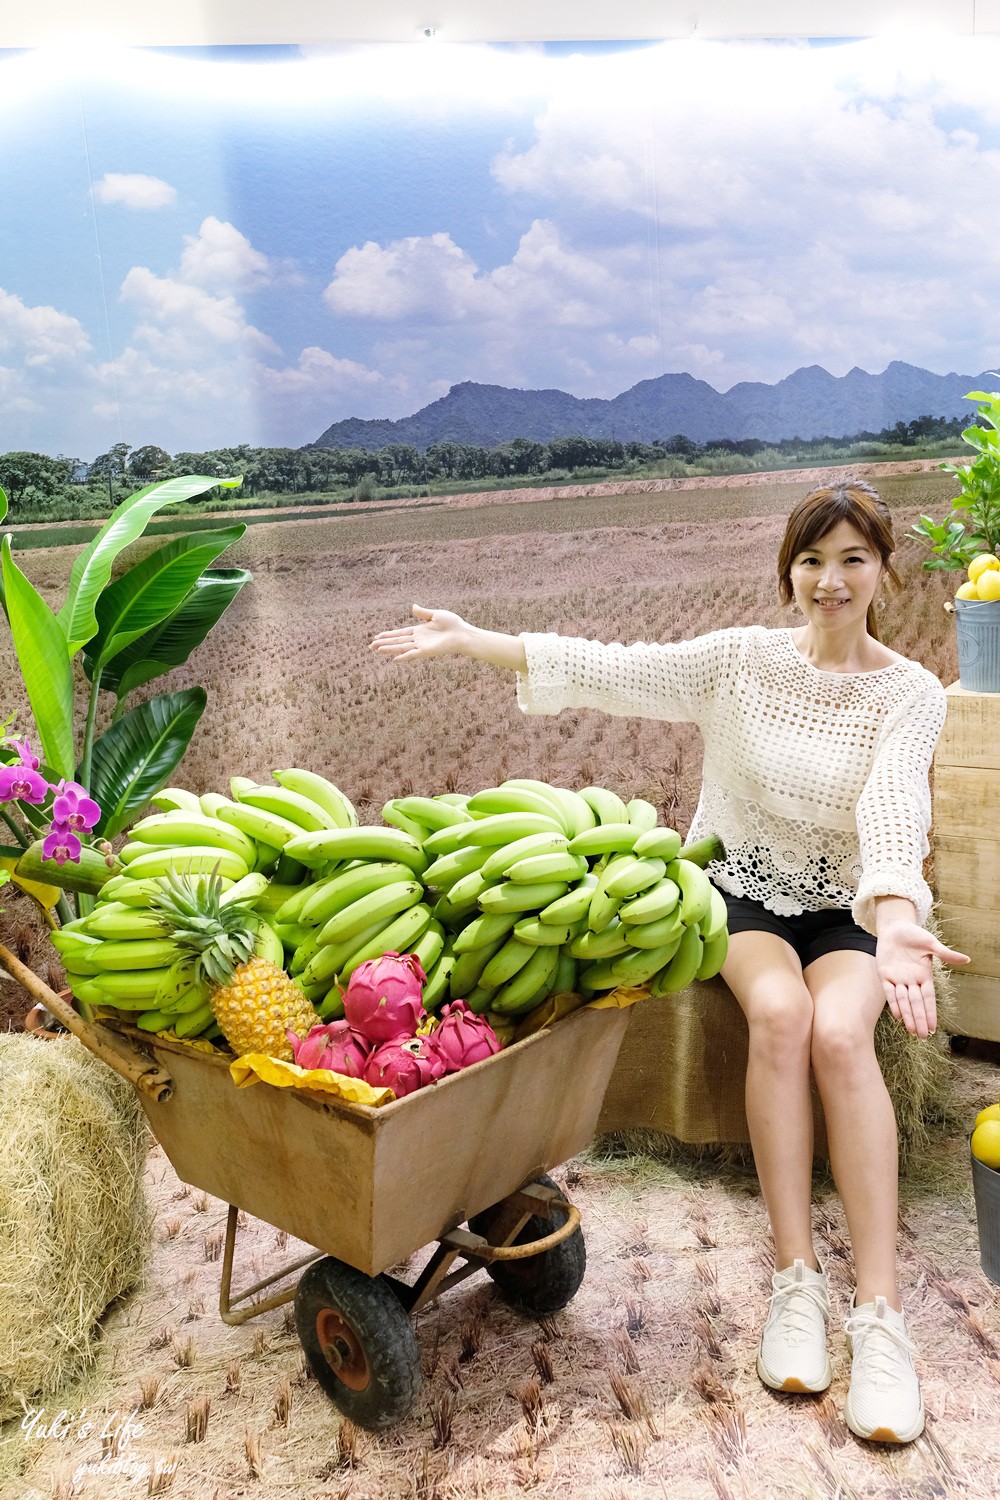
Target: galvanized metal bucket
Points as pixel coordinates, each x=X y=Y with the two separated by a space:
x=977 y=623
x=986 y=1187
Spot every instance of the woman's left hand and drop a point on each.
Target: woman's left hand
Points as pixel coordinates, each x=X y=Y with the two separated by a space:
x=903 y=960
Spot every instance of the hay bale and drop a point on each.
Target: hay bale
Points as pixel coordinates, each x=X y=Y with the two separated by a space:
x=74 y=1225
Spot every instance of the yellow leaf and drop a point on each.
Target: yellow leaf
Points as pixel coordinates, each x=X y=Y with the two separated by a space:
x=48 y=895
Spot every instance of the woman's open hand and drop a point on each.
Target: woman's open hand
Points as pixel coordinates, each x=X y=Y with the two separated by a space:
x=436 y=632
x=903 y=960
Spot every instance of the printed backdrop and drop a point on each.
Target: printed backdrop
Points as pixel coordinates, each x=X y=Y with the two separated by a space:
x=202 y=248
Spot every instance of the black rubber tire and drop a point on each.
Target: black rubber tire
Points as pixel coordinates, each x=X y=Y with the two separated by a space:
x=959 y=1045
x=538 y=1284
x=378 y=1378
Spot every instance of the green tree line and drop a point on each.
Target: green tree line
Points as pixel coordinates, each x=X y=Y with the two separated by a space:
x=41 y=488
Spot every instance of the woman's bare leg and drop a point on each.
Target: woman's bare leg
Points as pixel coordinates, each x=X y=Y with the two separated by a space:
x=765 y=976
x=860 y=1121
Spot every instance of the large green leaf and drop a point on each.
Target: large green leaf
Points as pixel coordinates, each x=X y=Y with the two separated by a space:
x=44 y=662
x=170 y=643
x=92 y=568
x=136 y=756
x=152 y=589
x=3 y=502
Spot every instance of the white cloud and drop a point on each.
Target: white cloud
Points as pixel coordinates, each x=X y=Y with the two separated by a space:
x=135 y=190
x=181 y=316
x=39 y=335
x=220 y=256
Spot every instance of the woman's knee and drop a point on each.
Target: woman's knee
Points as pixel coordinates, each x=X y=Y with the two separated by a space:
x=781 y=1019
x=842 y=1045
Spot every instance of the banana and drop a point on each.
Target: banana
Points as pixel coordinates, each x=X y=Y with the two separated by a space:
x=194 y=1022
x=130 y=989
x=485 y=929
x=171 y=828
x=558 y=866
x=134 y=953
x=155 y=1020
x=114 y=919
x=178 y=987
x=274 y=896
x=714 y=954
x=443 y=872
x=263 y=827
x=606 y=838
x=444 y=840
x=328 y=897
x=379 y=905
x=292 y=934
x=267 y=944
x=468 y=966
x=639 y=965
x=578 y=813
x=541 y=935
x=187 y=859
x=429 y=946
x=516 y=799
x=331 y=1006
x=436 y=989
x=573 y=906
x=175 y=798
x=502 y=828
x=641 y=814
x=559 y=805
x=683 y=967
x=607 y=805
x=603 y=908
x=660 y=843
x=565 y=976
x=250 y=888
x=497 y=860
x=529 y=985
x=716 y=919
x=304 y=953
x=129 y=891
x=597 y=976
x=461 y=900
x=653 y=904
x=398 y=937
x=504 y=965
x=390 y=814
x=240 y=784
x=634 y=877
x=454 y=799
x=358 y=843
x=320 y=790
x=508 y=896
x=210 y=802
x=703 y=851
x=653 y=934
x=285 y=803
x=315 y=990
x=695 y=888
x=431 y=812
x=590 y=946
x=267 y=857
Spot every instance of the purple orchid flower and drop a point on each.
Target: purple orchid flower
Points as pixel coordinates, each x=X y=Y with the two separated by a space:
x=28 y=756
x=20 y=783
x=61 y=844
x=72 y=807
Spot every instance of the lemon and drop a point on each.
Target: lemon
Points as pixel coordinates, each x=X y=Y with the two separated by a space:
x=980 y=563
x=986 y=1143
x=991 y=1112
x=988 y=584
x=967 y=591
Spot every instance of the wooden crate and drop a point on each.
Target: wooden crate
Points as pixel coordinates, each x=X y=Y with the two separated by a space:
x=370 y=1186
x=966 y=842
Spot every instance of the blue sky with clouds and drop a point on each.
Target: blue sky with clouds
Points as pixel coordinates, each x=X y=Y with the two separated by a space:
x=199 y=249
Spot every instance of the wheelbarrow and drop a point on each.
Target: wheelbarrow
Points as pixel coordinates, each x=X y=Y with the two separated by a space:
x=369 y=1187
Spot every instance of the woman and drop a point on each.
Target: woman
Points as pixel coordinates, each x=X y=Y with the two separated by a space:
x=818 y=741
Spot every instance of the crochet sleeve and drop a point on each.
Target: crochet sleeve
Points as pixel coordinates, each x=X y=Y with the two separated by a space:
x=673 y=681
x=894 y=809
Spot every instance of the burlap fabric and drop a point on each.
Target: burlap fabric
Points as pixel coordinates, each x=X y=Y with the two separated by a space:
x=682 y=1065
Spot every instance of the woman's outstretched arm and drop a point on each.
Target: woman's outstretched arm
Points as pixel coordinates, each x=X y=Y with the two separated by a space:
x=439 y=632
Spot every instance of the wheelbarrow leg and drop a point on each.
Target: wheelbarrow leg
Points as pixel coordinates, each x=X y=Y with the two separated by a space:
x=228 y=1304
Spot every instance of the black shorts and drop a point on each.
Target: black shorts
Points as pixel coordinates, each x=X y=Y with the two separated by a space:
x=810 y=933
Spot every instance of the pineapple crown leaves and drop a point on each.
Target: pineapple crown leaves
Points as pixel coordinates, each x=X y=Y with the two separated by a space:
x=218 y=936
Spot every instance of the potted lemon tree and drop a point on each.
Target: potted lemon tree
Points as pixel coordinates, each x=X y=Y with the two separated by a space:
x=969 y=539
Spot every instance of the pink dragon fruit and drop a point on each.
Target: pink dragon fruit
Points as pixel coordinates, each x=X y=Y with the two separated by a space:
x=404 y=1065
x=333 y=1045
x=463 y=1038
x=383 y=999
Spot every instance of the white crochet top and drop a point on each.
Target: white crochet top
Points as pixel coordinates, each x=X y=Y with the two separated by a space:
x=815 y=781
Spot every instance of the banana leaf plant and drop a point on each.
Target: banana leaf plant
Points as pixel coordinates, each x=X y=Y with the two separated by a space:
x=128 y=630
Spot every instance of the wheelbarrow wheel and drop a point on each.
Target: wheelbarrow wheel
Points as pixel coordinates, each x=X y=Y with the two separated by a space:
x=359 y=1342
x=537 y=1284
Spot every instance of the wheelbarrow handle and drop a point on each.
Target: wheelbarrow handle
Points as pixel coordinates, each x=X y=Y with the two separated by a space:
x=143 y=1072
x=538 y=1247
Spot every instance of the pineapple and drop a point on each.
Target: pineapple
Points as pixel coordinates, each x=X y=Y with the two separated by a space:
x=254 y=1001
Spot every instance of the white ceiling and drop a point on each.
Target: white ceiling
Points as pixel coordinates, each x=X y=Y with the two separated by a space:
x=219 y=22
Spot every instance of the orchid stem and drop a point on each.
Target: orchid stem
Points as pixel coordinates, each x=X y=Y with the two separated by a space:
x=22 y=839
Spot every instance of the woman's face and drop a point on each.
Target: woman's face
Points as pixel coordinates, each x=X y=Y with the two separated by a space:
x=835 y=579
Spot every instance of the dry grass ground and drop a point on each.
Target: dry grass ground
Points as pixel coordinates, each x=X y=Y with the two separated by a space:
x=644 y=1387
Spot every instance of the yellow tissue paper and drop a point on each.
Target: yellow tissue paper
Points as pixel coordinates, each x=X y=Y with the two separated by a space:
x=620 y=998
x=256 y=1067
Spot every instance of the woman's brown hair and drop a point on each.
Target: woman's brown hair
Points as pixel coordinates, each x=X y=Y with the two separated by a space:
x=820 y=511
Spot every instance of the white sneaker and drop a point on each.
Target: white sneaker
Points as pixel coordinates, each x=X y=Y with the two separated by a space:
x=884 y=1402
x=792 y=1354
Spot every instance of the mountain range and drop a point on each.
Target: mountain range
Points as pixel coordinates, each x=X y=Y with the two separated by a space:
x=809 y=403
